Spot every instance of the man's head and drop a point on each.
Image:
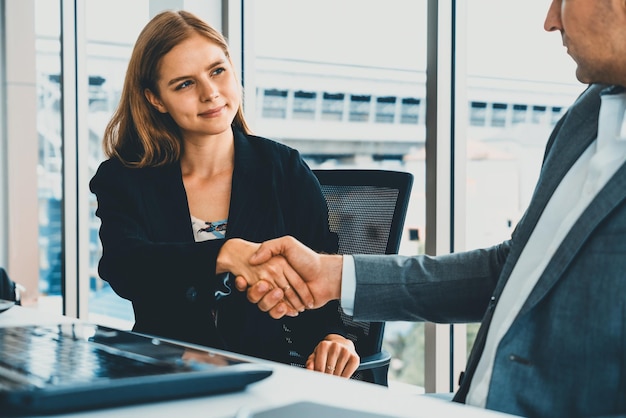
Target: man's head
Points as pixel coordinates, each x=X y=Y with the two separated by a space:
x=594 y=33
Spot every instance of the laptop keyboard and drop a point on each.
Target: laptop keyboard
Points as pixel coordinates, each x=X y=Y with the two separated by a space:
x=60 y=357
x=75 y=366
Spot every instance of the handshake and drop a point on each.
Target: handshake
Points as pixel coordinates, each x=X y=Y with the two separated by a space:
x=282 y=276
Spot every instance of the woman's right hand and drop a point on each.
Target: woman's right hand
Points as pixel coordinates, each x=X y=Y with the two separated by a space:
x=234 y=257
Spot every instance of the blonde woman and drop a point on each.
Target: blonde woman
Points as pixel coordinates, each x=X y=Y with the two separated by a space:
x=187 y=191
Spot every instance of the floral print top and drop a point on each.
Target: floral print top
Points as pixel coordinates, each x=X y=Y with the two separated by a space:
x=204 y=231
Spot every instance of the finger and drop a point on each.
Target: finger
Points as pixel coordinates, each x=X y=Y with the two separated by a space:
x=270 y=299
x=291 y=310
x=331 y=361
x=265 y=300
x=279 y=271
x=259 y=290
x=321 y=355
x=347 y=363
x=292 y=298
x=310 y=362
x=299 y=288
x=351 y=366
x=280 y=310
x=241 y=284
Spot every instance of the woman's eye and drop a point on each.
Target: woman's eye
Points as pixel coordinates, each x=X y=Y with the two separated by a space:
x=218 y=71
x=183 y=85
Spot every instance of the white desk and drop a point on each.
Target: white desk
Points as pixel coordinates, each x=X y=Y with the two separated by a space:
x=286 y=385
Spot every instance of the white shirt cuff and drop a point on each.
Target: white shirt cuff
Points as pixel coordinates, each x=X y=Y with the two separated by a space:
x=348 y=285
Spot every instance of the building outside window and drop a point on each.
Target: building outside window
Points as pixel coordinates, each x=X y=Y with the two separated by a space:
x=304 y=104
x=385 y=109
x=360 y=108
x=275 y=104
x=332 y=106
x=410 y=111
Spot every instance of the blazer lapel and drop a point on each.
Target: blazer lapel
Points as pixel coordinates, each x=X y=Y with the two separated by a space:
x=248 y=188
x=608 y=199
x=167 y=183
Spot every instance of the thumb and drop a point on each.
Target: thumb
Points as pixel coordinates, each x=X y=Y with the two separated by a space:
x=260 y=256
x=266 y=251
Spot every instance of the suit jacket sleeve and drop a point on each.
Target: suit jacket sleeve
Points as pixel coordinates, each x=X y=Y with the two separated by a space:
x=447 y=289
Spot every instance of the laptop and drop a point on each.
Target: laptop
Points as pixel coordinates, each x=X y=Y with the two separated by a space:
x=77 y=366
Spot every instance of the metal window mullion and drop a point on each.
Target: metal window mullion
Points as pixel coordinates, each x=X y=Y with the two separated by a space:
x=75 y=158
x=238 y=24
x=459 y=213
x=439 y=187
x=82 y=161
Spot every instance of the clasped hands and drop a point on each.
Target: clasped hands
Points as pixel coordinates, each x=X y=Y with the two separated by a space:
x=284 y=277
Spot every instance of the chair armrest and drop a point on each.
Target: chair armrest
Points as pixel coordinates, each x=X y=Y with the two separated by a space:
x=383 y=358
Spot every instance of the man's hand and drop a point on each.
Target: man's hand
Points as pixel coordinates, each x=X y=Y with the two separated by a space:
x=334 y=355
x=318 y=275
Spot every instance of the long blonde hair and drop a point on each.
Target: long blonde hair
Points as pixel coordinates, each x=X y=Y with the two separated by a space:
x=138 y=134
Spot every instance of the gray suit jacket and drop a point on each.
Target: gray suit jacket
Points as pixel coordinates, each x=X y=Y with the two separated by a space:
x=565 y=353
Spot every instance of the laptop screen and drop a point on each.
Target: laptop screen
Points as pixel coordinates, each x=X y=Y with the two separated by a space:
x=73 y=366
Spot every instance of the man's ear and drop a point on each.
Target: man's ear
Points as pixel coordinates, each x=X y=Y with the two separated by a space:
x=154 y=101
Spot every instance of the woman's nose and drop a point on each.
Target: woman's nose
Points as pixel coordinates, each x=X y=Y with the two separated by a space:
x=208 y=90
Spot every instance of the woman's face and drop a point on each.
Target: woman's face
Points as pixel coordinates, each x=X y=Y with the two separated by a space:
x=198 y=88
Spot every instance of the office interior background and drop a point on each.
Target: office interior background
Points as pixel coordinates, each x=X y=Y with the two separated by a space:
x=463 y=94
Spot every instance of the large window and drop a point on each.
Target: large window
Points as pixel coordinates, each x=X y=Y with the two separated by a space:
x=50 y=161
x=517 y=86
x=366 y=62
x=106 y=59
x=99 y=57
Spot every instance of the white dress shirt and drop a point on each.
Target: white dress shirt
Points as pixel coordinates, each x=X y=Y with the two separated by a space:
x=578 y=188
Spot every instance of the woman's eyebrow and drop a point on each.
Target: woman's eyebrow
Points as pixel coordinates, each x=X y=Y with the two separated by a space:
x=184 y=77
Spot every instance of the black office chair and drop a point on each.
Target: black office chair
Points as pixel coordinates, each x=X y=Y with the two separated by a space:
x=367 y=209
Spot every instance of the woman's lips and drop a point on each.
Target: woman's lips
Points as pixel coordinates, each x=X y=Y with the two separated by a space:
x=212 y=112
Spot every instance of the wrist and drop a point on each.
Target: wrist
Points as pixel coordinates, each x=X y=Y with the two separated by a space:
x=332 y=265
x=224 y=261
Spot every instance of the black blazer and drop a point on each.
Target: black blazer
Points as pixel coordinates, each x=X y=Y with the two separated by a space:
x=150 y=257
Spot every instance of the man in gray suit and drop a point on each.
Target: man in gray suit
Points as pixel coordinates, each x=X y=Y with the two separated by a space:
x=552 y=299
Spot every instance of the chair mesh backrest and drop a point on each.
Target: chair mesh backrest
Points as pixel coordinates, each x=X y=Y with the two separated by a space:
x=366 y=208
x=361 y=216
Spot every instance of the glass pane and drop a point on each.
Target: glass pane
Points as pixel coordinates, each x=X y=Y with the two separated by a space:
x=344 y=83
x=108 y=52
x=50 y=166
x=518 y=86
